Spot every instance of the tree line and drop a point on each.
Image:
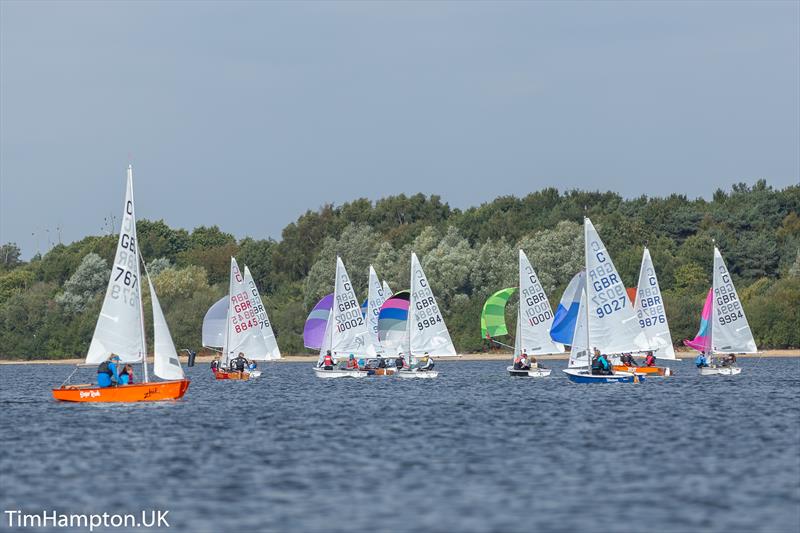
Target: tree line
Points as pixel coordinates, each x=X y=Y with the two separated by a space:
x=49 y=305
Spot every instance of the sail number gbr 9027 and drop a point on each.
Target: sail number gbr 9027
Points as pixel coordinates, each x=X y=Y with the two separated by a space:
x=124 y=281
x=609 y=293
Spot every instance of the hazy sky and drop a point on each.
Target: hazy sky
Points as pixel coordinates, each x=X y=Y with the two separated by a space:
x=247 y=114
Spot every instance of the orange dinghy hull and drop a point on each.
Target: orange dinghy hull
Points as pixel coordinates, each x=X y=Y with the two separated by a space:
x=650 y=370
x=138 y=392
x=244 y=376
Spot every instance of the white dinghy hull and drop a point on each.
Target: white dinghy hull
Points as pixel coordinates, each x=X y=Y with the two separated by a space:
x=337 y=373
x=720 y=371
x=529 y=373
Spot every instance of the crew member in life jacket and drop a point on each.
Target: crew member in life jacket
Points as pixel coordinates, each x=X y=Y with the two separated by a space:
x=426 y=363
x=524 y=363
x=107 y=370
x=328 y=361
x=650 y=360
x=627 y=360
x=239 y=364
x=352 y=364
x=518 y=362
x=400 y=362
x=215 y=365
x=700 y=361
x=126 y=376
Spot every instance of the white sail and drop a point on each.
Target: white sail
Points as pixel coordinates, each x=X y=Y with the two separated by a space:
x=613 y=324
x=730 y=332
x=120 y=328
x=348 y=328
x=535 y=313
x=579 y=352
x=273 y=352
x=166 y=364
x=387 y=291
x=650 y=311
x=428 y=332
x=214 y=324
x=243 y=329
x=375 y=298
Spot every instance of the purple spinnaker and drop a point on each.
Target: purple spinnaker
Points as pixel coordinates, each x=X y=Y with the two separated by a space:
x=314 y=330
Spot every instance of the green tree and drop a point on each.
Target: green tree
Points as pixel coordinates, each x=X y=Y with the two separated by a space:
x=90 y=279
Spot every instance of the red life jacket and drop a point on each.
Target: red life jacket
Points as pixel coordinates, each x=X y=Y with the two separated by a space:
x=328 y=360
x=650 y=360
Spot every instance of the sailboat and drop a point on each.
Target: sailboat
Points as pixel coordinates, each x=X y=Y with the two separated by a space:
x=376 y=296
x=410 y=322
x=534 y=320
x=346 y=330
x=723 y=326
x=649 y=309
x=120 y=330
x=216 y=320
x=243 y=327
x=606 y=320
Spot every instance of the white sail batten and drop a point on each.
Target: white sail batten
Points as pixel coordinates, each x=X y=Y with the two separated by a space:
x=730 y=331
x=119 y=328
x=613 y=324
x=428 y=331
x=579 y=351
x=166 y=364
x=273 y=352
x=535 y=315
x=243 y=331
x=348 y=329
x=649 y=308
x=375 y=298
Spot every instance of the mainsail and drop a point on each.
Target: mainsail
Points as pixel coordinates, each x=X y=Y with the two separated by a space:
x=273 y=352
x=243 y=329
x=649 y=308
x=347 y=328
x=613 y=324
x=428 y=331
x=120 y=325
x=375 y=298
x=535 y=313
x=730 y=332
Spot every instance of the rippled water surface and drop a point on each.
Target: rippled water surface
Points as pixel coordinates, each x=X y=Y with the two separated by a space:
x=473 y=450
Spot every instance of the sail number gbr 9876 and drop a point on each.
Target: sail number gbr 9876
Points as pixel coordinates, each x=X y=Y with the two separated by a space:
x=609 y=293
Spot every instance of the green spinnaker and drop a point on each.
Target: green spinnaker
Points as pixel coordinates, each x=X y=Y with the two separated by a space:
x=493 y=317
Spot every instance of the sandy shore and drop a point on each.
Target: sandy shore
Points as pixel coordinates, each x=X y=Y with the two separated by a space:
x=303 y=358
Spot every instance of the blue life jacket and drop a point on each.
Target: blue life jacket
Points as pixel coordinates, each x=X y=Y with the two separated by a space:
x=700 y=361
x=604 y=362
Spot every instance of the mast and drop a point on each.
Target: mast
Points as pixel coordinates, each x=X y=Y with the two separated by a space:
x=712 y=319
x=589 y=352
x=139 y=277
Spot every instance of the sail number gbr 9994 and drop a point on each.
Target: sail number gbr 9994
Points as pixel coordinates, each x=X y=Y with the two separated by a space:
x=729 y=309
x=124 y=281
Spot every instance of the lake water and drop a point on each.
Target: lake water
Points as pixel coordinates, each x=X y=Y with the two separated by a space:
x=473 y=450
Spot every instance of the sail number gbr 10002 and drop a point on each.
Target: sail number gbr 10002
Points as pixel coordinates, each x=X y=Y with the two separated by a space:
x=348 y=315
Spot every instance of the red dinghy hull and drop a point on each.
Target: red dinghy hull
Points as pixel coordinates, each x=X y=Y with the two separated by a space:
x=138 y=392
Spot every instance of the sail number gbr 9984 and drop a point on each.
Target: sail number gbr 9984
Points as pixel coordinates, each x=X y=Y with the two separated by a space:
x=426 y=311
x=124 y=281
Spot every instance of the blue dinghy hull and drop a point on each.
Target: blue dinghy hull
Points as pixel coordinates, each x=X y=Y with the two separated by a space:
x=581 y=376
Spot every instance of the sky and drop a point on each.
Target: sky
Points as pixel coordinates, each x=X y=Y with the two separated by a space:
x=246 y=114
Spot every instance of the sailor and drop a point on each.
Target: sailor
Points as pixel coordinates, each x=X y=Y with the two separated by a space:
x=518 y=362
x=328 y=361
x=400 y=362
x=239 y=364
x=627 y=360
x=215 y=365
x=381 y=361
x=126 y=376
x=108 y=370
x=650 y=360
x=524 y=363
x=605 y=366
x=597 y=368
x=352 y=364
x=426 y=363
x=700 y=360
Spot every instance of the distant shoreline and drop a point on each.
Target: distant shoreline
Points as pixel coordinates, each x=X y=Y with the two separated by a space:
x=463 y=357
